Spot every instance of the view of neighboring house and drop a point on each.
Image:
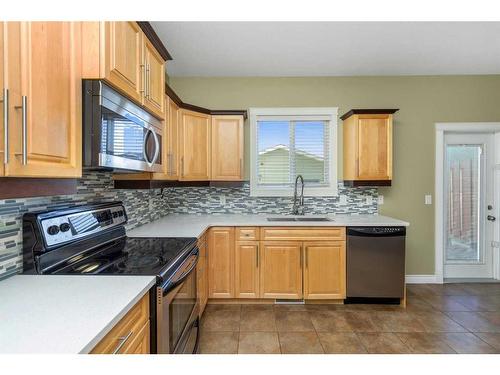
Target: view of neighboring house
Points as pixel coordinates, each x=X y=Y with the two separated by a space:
x=274 y=166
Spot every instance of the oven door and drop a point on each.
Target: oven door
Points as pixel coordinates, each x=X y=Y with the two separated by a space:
x=177 y=310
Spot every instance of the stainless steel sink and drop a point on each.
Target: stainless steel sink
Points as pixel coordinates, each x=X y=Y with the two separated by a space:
x=299 y=219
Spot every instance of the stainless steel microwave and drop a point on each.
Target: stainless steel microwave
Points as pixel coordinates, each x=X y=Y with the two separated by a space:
x=118 y=134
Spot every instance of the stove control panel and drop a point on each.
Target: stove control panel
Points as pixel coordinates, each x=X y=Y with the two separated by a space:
x=61 y=229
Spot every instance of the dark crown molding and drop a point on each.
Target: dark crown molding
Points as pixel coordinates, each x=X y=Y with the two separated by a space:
x=154 y=39
x=368 y=112
x=171 y=93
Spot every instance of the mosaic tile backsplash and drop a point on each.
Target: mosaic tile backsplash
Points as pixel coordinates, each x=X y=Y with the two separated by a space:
x=206 y=200
x=144 y=206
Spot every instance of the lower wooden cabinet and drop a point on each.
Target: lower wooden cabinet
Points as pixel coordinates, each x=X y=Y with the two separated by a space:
x=130 y=335
x=281 y=270
x=324 y=270
x=221 y=262
x=247 y=266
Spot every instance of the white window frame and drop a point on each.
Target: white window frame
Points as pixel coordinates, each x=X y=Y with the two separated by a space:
x=311 y=191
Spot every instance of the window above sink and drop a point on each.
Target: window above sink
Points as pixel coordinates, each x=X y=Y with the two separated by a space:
x=286 y=142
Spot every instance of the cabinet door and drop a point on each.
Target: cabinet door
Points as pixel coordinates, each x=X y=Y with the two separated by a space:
x=2 y=99
x=247 y=269
x=221 y=262
x=124 y=62
x=173 y=140
x=49 y=135
x=194 y=146
x=375 y=147
x=325 y=270
x=154 y=98
x=227 y=148
x=281 y=270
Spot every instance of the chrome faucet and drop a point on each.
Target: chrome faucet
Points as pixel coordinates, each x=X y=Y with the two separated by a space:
x=298 y=209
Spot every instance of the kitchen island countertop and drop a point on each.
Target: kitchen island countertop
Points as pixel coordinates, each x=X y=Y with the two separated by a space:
x=64 y=314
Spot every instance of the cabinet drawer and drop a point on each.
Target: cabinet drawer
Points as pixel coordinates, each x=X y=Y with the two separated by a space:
x=247 y=234
x=129 y=327
x=140 y=344
x=302 y=233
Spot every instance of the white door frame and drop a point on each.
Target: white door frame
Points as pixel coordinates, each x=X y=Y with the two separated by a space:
x=461 y=127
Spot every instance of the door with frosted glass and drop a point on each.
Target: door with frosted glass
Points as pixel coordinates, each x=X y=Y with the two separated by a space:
x=469 y=211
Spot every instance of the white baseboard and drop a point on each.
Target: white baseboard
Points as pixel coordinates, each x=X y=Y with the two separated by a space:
x=422 y=279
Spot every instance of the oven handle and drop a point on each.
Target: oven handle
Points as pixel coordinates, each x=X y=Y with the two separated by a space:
x=178 y=279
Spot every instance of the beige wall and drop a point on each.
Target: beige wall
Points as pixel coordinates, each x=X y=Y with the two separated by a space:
x=422 y=101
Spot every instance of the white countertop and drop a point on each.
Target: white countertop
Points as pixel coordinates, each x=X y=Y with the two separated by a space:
x=194 y=225
x=64 y=314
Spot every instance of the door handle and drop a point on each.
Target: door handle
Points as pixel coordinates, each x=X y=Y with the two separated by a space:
x=257 y=255
x=491 y=218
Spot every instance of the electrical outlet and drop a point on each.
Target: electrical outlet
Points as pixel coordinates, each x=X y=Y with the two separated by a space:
x=222 y=200
x=343 y=199
x=380 y=199
x=428 y=199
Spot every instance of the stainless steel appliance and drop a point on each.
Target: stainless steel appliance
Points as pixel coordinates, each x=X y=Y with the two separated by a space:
x=118 y=134
x=91 y=240
x=375 y=262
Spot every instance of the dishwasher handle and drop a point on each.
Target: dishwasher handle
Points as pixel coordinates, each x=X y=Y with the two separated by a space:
x=376 y=231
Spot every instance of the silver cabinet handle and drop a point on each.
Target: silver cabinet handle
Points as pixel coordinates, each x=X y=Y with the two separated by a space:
x=148 y=77
x=122 y=340
x=305 y=256
x=241 y=167
x=301 y=257
x=24 y=113
x=182 y=166
x=257 y=256
x=143 y=73
x=5 y=101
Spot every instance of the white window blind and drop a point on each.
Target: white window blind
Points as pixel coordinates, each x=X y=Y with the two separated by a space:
x=285 y=146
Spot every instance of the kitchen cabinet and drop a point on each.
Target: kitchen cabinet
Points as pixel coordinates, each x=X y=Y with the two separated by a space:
x=227 y=148
x=221 y=262
x=368 y=147
x=281 y=270
x=194 y=146
x=202 y=274
x=154 y=97
x=131 y=335
x=3 y=103
x=121 y=54
x=172 y=141
x=247 y=268
x=324 y=270
x=41 y=66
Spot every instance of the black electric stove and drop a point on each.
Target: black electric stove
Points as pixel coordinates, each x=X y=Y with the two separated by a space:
x=91 y=240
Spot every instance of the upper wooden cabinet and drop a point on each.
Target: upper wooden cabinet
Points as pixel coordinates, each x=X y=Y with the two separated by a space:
x=154 y=98
x=227 y=148
x=41 y=67
x=221 y=262
x=194 y=146
x=368 y=147
x=120 y=53
x=325 y=270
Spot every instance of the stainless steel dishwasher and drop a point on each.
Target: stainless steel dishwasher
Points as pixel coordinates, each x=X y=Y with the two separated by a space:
x=375 y=262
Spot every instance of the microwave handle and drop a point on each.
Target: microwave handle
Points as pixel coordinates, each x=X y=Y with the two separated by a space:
x=157 y=147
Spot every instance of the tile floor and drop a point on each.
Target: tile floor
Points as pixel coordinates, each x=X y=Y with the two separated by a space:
x=448 y=318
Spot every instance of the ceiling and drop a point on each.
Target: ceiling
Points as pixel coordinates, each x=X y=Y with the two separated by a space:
x=330 y=48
